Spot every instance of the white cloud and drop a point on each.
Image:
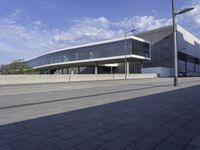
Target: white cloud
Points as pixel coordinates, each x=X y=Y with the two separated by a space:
x=141 y=23
x=26 y=41
x=191 y=20
x=194 y=15
x=38 y=23
x=85 y=30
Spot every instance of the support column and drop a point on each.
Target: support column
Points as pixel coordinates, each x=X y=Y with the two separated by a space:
x=141 y=66
x=127 y=67
x=96 y=69
x=111 y=70
x=72 y=71
x=78 y=70
x=41 y=71
x=49 y=71
x=186 y=70
x=62 y=71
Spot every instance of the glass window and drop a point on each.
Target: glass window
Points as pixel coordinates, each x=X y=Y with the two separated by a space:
x=141 y=48
x=111 y=49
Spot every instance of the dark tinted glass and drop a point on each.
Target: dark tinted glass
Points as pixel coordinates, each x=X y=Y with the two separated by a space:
x=141 y=48
x=92 y=52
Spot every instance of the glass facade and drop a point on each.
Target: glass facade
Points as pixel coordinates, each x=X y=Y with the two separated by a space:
x=140 y=48
x=111 y=49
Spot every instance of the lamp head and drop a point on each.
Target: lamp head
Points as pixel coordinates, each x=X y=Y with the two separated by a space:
x=185 y=10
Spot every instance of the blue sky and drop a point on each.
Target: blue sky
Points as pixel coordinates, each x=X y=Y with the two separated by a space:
x=31 y=27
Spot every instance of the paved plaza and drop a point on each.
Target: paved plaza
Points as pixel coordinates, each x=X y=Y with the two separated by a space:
x=140 y=114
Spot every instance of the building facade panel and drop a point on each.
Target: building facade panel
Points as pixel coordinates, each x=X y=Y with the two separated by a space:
x=188 y=47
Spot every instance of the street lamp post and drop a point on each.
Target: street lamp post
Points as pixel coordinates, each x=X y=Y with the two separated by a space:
x=174 y=14
x=175 y=45
x=125 y=50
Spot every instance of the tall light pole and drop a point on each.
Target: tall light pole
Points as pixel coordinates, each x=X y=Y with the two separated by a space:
x=174 y=14
x=125 y=51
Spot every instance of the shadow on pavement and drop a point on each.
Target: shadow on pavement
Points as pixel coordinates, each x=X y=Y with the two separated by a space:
x=169 y=120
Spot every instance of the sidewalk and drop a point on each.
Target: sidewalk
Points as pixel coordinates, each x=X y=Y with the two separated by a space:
x=164 y=121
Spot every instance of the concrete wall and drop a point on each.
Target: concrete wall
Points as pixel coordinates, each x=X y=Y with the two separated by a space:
x=161 y=71
x=188 y=43
x=23 y=79
x=162 y=48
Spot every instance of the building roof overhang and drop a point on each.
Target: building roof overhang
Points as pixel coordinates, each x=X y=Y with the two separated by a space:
x=91 y=62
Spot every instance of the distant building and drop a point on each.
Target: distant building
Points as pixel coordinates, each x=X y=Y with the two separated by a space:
x=150 y=52
x=162 y=53
x=100 y=57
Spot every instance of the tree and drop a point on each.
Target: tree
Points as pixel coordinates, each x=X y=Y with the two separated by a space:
x=17 y=67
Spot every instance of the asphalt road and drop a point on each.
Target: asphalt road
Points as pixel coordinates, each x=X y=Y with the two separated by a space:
x=105 y=115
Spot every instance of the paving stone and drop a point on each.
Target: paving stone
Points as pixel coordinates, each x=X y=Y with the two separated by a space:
x=113 y=134
x=48 y=148
x=4 y=142
x=22 y=145
x=74 y=141
x=81 y=130
x=152 y=139
x=89 y=135
x=48 y=134
x=33 y=139
x=161 y=133
x=171 y=127
x=142 y=145
x=181 y=121
x=66 y=134
x=139 y=132
x=71 y=148
x=28 y=137
x=130 y=137
x=168 y=146
x=192 y=147
x=57 y=142
x=117 y=144
x=196 y=141
x=9 y=135
x=90 y=145
x=192 y=127
x=129 y=148
x=112 y=126
x=184 y=133
x=99 y=131
x=6 y=147
x=100 y=148
x=177 y=140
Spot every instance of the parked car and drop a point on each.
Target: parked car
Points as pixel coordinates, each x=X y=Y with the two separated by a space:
x=184 y=74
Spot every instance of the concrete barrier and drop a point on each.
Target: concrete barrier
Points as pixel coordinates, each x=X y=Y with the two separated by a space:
x=23 y=79
x=90 y=77
x=141 y=76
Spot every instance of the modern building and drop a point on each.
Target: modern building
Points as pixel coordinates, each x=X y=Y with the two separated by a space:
x=162 y=53
x=101 y=57
x=148 y=52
